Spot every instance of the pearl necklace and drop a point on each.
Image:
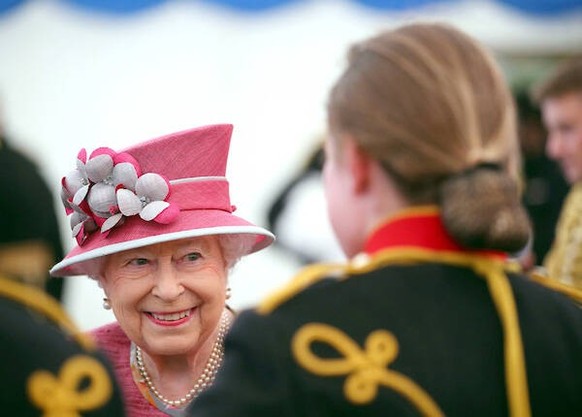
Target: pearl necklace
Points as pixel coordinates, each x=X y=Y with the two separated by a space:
x=204 y=380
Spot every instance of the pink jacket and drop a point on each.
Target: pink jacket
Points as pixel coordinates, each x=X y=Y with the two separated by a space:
x=116 y=346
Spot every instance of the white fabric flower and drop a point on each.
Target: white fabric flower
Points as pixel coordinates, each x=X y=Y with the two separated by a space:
x=82 y=225
x=107 y=187
x=148 y=199
x=75 y=184
x=102 y=199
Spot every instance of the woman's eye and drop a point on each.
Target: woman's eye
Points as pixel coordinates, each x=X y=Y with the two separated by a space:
x=193 y=256
x=138 y=261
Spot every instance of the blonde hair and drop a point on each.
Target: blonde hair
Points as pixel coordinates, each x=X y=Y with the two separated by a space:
x=430 y=104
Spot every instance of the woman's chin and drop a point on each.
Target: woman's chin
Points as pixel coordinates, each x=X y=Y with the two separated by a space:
x=170 y=346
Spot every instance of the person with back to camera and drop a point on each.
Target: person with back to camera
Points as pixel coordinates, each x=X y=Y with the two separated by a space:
x=154 y=226
x=429 y=317
x=560 y=99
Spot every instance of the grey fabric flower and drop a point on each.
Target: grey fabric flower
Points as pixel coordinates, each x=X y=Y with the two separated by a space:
x=147 y=200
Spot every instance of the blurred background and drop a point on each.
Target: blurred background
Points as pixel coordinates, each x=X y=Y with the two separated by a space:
x=89 y=73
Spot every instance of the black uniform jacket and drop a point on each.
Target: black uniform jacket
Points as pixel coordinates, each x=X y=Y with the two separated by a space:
x=417 y=327
x=48 y=368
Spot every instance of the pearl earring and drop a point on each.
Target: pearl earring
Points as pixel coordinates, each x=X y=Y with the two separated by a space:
x=106 y=304
x=228 y=293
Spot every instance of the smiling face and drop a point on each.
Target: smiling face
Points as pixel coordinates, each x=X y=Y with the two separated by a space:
x=168 y=297
x=563 y=119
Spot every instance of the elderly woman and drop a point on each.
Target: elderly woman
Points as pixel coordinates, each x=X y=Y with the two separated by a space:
x=429 y=317
x=154 y=226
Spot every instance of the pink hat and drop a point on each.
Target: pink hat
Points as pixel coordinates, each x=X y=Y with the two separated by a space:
x=168 y=188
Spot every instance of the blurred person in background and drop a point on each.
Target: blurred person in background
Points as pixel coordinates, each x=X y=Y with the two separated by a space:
x=428 y=317
x=154 y=226
x=30 y=241
x=544 y=185
x=560 y=98
x=48 y=367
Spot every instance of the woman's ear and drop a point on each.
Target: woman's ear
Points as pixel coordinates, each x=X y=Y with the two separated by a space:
x=359 y=164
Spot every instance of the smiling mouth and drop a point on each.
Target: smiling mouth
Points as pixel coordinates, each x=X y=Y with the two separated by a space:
x=169 y=317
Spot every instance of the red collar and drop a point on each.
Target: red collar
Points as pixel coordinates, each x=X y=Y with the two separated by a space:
x=419 y=228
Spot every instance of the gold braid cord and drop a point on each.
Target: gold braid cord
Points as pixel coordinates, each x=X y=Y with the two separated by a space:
x=574 y=293
x=367 y=368
x=62 y=395
x=45 y=305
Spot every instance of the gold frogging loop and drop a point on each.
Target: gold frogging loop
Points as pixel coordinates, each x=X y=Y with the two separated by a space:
x=62 y=396
x=365 y=369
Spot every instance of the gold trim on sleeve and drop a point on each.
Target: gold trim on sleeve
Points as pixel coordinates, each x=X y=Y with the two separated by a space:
x=572 y=292
x=62 y=395
x=494 y=271
x=365 y=369
x=304 y=279
x=46 y=305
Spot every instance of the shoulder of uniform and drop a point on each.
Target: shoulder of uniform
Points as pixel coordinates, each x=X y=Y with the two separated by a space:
x=573 y=293
x=44 y=305
x=304 y=279
x=573 y=200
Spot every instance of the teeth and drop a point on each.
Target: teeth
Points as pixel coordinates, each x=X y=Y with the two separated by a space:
x=171 y=316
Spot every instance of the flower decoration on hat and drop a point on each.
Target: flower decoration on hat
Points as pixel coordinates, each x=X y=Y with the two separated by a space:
x=107 y=187
x=148 y=200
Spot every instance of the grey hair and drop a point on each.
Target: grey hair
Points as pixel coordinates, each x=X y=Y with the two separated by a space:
x=235 y=246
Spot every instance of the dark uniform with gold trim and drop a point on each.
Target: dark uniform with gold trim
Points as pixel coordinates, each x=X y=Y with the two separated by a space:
x=48 y=368
x=417 y=326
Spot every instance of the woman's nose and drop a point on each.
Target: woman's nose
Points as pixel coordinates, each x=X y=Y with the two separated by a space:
x=168 y=285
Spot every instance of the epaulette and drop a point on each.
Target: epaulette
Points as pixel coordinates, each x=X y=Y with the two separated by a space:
x=306 y=277
x=574 y=293
x=44 y=305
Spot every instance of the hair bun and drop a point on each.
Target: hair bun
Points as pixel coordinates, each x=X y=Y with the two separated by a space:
x=481 y=209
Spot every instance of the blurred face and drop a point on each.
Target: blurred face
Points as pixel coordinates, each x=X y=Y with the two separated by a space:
x=168 y=297
x=563 y=119
x=339 y=190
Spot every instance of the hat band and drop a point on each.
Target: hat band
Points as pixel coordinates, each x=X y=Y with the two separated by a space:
x=201 y=193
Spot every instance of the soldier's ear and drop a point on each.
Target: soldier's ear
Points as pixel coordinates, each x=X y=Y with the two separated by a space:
x=359 y=164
